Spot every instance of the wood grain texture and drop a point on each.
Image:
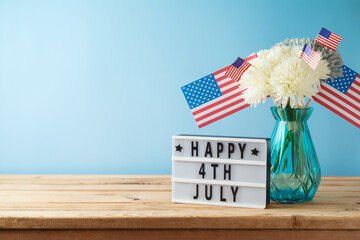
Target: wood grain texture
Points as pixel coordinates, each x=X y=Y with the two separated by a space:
x=178 y=234
x=123 y=204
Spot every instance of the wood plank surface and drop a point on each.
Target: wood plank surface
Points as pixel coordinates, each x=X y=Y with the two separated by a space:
x=114 y=202
x=178 y=234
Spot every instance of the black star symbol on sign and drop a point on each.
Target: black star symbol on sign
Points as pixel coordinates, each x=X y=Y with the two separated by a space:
x=178 y=148
x=254 y=152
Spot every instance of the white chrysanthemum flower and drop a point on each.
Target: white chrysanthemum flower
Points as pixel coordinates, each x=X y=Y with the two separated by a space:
x=259 y=88
x=280 y=73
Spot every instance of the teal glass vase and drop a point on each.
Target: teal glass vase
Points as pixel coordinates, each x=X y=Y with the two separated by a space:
x=295 y=169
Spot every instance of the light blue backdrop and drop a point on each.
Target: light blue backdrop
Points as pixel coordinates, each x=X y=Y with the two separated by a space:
x=94 y=86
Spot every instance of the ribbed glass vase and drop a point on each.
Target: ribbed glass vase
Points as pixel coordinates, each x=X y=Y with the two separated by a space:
x=295 y=169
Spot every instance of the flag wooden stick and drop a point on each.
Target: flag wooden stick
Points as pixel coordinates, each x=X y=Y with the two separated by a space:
x=307 y=105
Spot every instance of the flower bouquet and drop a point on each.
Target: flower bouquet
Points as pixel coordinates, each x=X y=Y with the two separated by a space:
x=292 y=73
x=289 y=80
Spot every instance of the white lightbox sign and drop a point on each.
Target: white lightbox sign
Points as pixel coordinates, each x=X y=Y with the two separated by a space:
x=226 y=171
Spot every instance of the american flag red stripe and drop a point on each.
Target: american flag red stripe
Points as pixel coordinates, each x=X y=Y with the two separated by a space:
x=230 y=102
x=219 y=110
x=225 y=84
x=220 y=71
x=346 y=105
x=230 y=89
x=337 y=111
x=251 y=57
x=217 y=103
x=225 y=114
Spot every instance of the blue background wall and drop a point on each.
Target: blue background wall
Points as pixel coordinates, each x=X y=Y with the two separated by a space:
x=94 y=86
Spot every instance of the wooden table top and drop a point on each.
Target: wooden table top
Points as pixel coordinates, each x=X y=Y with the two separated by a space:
x=144 y=202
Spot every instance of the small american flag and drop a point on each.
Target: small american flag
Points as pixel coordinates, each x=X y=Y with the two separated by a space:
x=311 y=57
x=328 y=39
x=342 y=96
x=213 y=97
x=237 y=69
